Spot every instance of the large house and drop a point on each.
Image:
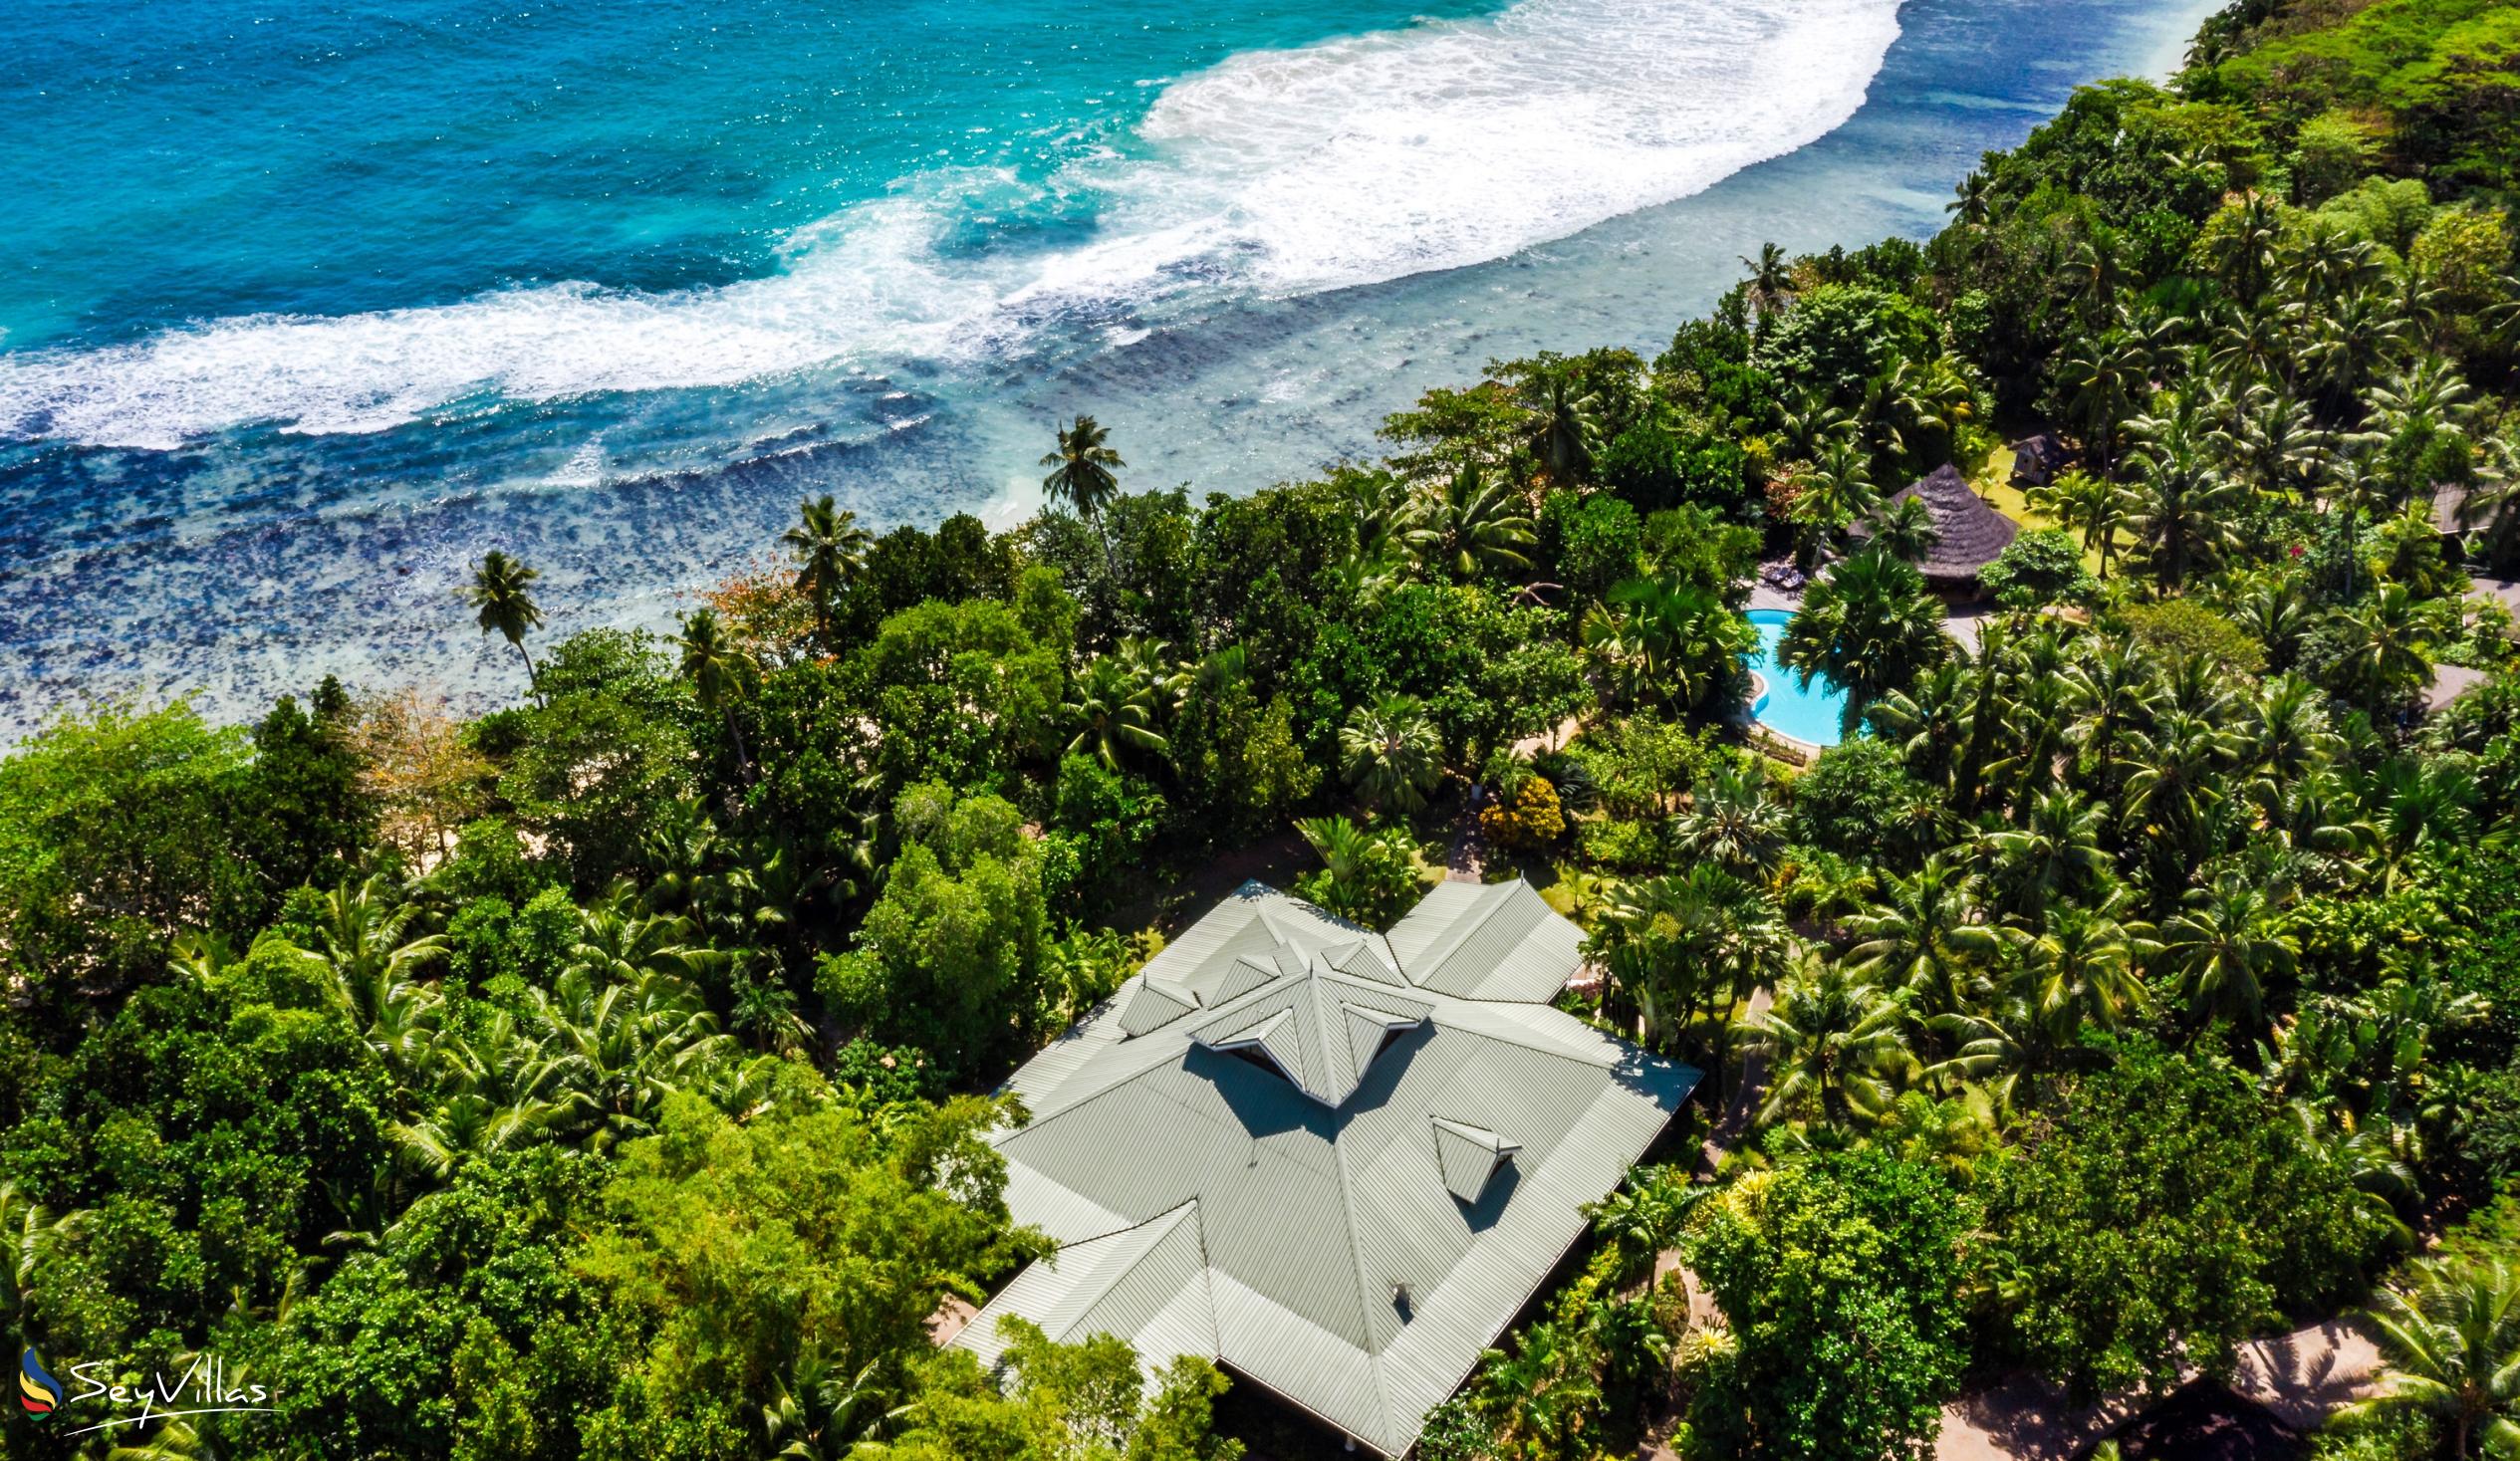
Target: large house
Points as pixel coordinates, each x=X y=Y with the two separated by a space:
x=1337 y=1162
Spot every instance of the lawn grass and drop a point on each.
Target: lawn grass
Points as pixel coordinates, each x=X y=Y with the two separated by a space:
x=1994 y=483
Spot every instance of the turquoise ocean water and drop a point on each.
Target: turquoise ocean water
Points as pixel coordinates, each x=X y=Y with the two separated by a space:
x=309 y=304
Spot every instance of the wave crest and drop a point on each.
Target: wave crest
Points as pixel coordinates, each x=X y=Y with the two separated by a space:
x=1345 y=163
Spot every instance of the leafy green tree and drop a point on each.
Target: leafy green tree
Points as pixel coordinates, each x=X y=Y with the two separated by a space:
x=115 y=837
x=960 y=692
x=739 y=1248
x=1839 y=1283
x=2165 y=1209
x=1088 y=1400
x=609 y=741
x=949 y=956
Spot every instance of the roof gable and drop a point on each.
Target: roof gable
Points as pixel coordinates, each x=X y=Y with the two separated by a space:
x=1468 y=1156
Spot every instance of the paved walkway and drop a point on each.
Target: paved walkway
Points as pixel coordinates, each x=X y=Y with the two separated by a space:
x=2300 y=1376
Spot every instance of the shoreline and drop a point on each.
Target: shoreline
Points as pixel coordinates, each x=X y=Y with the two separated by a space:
x=137 y=587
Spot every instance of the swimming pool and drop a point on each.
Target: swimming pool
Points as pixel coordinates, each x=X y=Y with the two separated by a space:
x=1780 y=702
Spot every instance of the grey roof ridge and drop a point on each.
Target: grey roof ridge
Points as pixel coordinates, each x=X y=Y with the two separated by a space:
x=1462 y=928
x=1356 y=1265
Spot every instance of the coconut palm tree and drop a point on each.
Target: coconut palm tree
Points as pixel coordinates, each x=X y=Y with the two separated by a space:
x=1970 y=200
x=2055 y=853
x=830 y=549
x=2185 y=509
x=1566 y=431
x=1837 y=491
x=2105 y=376
x=1904 y=530
x=2094 y=506
x=1835 y=1044
x=2222 y=947
x=502 y=589
x=1114 y=710
x=1391 y=754
x=1083 y=469
x=1732 y=822
x=1924 y=934
x=1771 y=283
x=720 y=673
x=1469 y=525
x=1870 y=627
x=2388 y=641
x=2451 y=1335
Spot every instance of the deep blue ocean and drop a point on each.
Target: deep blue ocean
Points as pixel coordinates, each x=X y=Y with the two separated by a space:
x=307 y=305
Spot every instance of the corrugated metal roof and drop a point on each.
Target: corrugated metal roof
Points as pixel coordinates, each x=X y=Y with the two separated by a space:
x=1497 y=942
x=1317 y=1194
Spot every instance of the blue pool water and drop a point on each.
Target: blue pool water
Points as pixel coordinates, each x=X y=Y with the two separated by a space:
x=310 y=302
x=1785 y=706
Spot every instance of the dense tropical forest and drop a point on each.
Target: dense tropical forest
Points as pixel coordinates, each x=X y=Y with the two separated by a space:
x=606 y=1076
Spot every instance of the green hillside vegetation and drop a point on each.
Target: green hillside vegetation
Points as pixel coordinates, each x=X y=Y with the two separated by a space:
x=606 y=1076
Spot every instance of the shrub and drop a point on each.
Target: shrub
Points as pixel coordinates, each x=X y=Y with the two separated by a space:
x=1526 y=820
x=1849 y=802
x=2182 y=629
x=2038 y=569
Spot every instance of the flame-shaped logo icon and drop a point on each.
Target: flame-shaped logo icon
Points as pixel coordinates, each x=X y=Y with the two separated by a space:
x=38 y=1392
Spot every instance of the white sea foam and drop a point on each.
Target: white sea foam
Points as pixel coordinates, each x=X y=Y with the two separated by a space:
x=1346 y=162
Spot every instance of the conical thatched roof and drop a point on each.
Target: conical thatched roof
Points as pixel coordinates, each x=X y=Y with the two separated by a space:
x=1969 y=534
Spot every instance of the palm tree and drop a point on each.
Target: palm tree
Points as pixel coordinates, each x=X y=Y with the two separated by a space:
x=1668 y=638
x=503 y=591
x=2106 y=376
x=1969 y=203
x=1565 y=432
x=2388 y=641
x=1924 y=933
x=1904 y=530
x=1870 y=628
x=1771 y=283
x=2453 y=1341
x=1113 y=708
x=1836 y=490
x=1390 y=753
x=2093 y=504
x=1082 y=474
x=1469 y=525
x=719 y=671
x=2055 y=853
x=829 y=551
x=2222 y=947
x=1836 y=1046
x=29 y=1234
x=1733 y=824
x=2185 y=509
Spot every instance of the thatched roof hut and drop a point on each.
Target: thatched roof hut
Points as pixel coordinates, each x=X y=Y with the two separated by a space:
x=1969 y=535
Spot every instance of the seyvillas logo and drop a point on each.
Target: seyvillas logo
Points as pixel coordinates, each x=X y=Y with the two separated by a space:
x=204 y=1388
x=38 y=1392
